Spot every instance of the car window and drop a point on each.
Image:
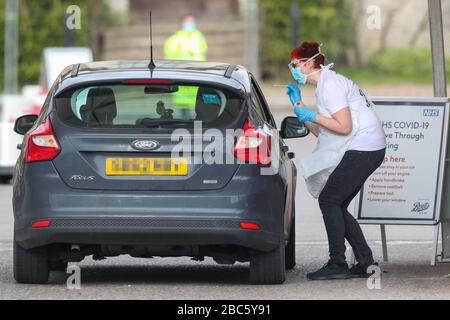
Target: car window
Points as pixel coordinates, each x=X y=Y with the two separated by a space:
x=257 y=106
x=124 y=105
x=258 y=96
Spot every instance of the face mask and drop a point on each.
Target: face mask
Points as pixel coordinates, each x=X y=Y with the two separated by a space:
x=298 y=75
x=189 y=27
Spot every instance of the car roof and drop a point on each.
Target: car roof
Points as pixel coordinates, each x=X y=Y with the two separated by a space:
x=226 y=74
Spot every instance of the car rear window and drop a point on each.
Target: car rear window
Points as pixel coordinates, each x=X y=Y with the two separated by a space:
x=137 y=106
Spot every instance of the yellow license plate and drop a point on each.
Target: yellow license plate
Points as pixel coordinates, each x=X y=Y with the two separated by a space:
x=146 y=167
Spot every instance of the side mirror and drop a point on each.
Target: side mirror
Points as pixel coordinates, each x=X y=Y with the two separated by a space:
x=24 y=124
x=291 y=128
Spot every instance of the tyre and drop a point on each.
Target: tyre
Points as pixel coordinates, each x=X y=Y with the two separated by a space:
x=269 y=267
x=30 y=266
x=5 y=180
x=290 y=248
x=58 y=265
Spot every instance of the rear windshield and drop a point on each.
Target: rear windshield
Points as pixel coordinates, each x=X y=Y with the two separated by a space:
x=144 y=106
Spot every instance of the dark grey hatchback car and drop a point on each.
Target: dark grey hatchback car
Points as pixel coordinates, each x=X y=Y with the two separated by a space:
x=166 y=163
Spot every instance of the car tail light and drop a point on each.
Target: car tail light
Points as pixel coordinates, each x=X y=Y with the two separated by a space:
x=41 y=143
x=41 y=224
x=253 y=145
x=250 y=226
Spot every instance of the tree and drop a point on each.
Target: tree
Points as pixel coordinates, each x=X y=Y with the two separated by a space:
x=326 y=21
x=42 y=25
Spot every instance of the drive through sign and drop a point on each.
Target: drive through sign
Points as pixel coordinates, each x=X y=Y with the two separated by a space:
x=407 y=187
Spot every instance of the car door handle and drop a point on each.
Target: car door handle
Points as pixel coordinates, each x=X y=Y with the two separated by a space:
x=284 y=149
x=19 y=146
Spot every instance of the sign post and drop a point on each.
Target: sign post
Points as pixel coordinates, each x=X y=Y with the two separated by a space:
x=252 y=14
x=407 y=188
x=11 y=46
x=440 y=90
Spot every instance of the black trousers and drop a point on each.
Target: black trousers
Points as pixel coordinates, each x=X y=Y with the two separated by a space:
x=342 y=187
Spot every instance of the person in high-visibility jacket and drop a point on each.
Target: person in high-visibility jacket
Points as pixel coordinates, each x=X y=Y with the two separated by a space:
x=188 y=43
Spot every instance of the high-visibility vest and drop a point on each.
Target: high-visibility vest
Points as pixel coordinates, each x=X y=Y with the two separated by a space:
x=185 y=45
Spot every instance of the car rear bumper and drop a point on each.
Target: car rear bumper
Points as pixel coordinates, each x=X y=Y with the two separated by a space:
x=148 y=218
x=149 y=232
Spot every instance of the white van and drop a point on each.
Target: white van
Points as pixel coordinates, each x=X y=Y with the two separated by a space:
x=54 y=60
x=11 y=107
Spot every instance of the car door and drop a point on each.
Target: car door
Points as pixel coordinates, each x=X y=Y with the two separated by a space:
x=287 y=170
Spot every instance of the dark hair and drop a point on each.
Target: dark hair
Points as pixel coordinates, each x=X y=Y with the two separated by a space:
x=309 y=49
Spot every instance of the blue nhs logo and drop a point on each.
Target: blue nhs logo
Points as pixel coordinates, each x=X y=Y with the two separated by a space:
x=431 y=113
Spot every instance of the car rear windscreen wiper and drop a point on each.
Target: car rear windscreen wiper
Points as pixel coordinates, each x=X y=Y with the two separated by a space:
x=157 y=123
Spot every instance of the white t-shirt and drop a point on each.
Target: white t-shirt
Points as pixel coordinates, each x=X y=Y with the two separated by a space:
x=336 y=92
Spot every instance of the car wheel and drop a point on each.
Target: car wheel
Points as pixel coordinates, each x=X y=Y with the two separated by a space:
x=30 y=266
x=58 y=265
x=5 y=180
x=269 y=267
x=290 y=248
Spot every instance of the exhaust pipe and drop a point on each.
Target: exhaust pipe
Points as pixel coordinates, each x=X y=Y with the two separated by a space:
x=75 y=248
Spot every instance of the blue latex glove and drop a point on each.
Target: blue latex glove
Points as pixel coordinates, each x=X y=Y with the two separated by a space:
x=294 y=93
x=305 y=115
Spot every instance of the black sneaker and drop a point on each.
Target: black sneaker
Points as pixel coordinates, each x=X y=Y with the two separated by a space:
x=331 y=271
x=360 y=270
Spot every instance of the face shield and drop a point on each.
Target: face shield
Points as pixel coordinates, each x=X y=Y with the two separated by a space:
x=297 y=74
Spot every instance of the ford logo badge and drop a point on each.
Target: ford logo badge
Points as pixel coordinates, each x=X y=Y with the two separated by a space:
x=145 y=145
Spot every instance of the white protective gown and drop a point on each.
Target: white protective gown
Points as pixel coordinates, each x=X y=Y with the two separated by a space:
x=330 y=150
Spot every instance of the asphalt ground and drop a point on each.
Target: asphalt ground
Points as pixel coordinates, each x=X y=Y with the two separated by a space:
x=408 y=275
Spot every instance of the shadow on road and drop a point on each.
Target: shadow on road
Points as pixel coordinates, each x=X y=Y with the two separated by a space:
x=181 y=274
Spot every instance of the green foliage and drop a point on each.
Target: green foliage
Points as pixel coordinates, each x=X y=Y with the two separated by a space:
x=326 y=21
x=397 y=66
x=42 y=25
x=409 y=64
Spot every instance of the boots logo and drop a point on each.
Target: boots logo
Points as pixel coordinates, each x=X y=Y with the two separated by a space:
x=420 y=207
